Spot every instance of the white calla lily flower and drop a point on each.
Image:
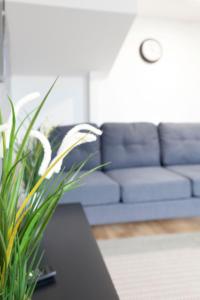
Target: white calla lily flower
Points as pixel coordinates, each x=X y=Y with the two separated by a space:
x=70 y=143
x=71 y=140
x=84 y=127
x=17 y=107
x=22 y=102
x=47 y=150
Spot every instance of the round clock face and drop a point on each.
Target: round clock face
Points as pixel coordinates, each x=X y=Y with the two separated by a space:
x=151 y=50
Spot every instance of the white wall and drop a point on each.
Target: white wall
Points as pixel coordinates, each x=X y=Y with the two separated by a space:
x=66 y=104
x=5 y=85
x=165 y=91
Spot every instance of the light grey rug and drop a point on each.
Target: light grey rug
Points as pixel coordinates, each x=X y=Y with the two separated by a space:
x=163 y=267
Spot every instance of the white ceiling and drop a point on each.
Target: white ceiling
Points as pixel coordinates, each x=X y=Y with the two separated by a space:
x=188 y=10
x=49 y=40
x=179 y=9
x=121 y=6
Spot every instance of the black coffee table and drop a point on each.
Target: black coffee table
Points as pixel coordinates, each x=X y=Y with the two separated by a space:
x=73 y=252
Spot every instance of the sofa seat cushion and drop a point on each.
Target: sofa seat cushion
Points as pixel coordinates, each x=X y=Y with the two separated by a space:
x=191 y=172
x=95 y=189
x=150 y=184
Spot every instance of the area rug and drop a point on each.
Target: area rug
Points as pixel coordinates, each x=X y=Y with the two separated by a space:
x=163 y=267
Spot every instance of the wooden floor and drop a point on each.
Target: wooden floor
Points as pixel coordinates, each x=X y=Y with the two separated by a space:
x=146 y=228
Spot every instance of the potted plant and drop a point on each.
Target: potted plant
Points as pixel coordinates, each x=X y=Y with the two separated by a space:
x=29 y=195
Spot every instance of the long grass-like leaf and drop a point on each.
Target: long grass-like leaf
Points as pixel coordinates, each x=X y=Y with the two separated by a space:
x=26 y=136
x=13 y=235
x=23 y=221
x=25 y=202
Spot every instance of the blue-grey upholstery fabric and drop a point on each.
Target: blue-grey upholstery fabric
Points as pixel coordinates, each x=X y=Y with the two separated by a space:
x=143 y=211
x=150 y=184
x=96 y=189
x=80 y=153
x=191 y=172
x=127 y=145
x=180 y=143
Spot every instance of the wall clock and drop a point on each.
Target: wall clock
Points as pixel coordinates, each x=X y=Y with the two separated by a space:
x=151 y=50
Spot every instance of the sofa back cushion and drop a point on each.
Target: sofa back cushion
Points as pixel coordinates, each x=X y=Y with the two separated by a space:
x=78 y=154
x=127 y=145
x=180 y=143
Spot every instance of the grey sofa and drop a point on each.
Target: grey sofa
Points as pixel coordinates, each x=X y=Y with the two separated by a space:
x=154 y=172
